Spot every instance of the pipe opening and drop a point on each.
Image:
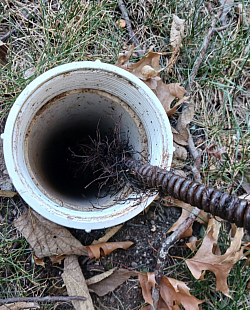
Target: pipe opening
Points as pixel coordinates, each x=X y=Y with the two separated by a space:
x=56 y=129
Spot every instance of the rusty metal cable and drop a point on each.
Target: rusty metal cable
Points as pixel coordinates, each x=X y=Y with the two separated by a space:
x=216 y=202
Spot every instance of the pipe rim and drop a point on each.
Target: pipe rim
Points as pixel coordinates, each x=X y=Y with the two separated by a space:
x=39 y=202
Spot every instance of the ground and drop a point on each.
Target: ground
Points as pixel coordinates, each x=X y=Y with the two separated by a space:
x=58 y=32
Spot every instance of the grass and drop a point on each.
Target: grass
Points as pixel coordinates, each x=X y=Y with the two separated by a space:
x=64 y=31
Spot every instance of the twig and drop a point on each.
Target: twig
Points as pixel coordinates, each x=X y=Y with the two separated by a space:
x=202 y=52
x=197 y=159
x=173 y=238
x=41 y=299
x=131 y=33
x=167 y=243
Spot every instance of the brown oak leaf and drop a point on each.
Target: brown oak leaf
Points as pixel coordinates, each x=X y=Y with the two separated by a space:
x=172 y=293
x=102 y=249
x=220 y=265
x=48 y=238
x=186 y=210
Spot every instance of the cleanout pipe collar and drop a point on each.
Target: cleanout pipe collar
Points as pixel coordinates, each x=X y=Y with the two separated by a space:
x=65 y=104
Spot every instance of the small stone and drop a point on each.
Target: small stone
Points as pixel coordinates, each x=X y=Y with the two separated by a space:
x=6 y=185
x=134 y=264
x=153 y=229
x=142 y=222
x=152 y=222
x=145 y=254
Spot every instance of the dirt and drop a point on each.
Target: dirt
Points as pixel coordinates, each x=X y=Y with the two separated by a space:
x=145 y=230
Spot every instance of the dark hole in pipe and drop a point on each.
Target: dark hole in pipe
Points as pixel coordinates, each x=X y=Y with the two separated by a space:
x=60 y=168
x=80 y=162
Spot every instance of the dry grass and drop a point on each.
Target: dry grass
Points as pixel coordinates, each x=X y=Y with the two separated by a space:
x=62 y=31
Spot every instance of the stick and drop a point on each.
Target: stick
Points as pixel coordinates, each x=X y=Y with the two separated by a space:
x=41 y=299
x=197 y=159
x=131 y=33
x=163 y=252
x=172 y=239
x=202 y=52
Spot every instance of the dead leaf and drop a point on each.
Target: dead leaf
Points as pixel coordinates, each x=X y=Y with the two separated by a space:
x=100 y=277
x=57 y=259
x=38 y=261
x=193 y=244
x=179 y=139
x=220 y=265
x=108 y=234
x=176 y=35
x=180 y=152
x=216 y=153
x=102 y=249
x=166 y=93
x=147 y=281
x=8 y=194
x=203 y=217
x=186 y=210
x=184 y=120
x=121 y=23
x=123 y=58
x=20 y=305
x=175 y=292
x=75 y=283
x=3 y=53
x=147 y=67
x=109 y=281
x=48 y=238
x=172 y=293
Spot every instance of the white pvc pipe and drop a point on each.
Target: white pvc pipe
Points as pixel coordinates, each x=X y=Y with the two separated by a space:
x=68 y=100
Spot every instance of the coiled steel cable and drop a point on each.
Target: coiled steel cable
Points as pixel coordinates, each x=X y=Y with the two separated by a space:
x=216 y=202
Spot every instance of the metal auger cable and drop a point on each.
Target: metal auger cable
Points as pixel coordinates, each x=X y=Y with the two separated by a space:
x=214 y=201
